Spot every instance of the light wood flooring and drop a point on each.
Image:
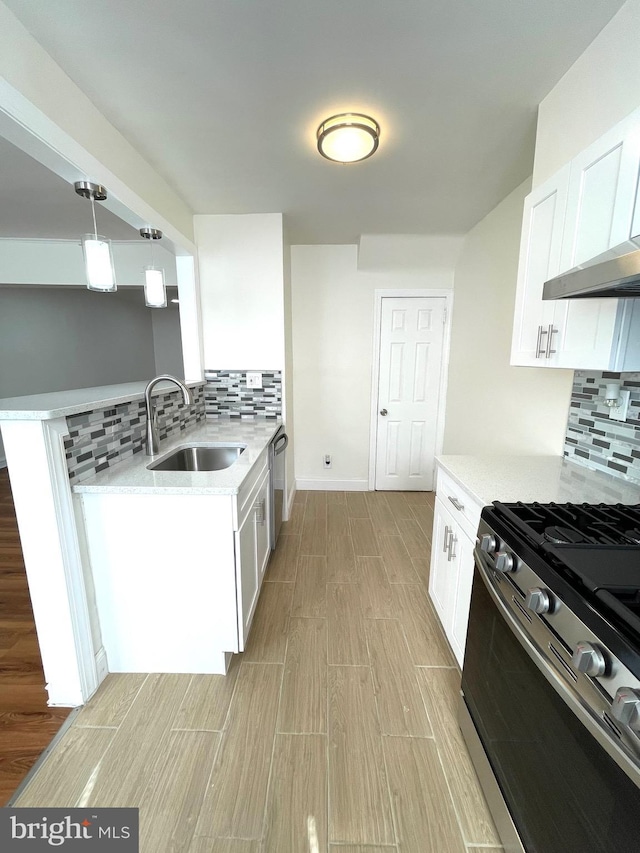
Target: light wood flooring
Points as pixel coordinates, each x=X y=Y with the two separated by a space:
x=335 y=731
x=26 y=723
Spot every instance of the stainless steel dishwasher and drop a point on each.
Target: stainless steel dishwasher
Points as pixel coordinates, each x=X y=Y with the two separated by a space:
x=277 y=467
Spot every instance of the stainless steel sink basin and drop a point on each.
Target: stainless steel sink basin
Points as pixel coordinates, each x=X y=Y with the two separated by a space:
x=199 y=458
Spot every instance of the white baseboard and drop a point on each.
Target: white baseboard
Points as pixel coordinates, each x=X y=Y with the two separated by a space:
x=292 y=495
x=102 y=665
x=333 y=485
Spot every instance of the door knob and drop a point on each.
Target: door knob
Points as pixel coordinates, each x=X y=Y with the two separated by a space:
x=383 y=412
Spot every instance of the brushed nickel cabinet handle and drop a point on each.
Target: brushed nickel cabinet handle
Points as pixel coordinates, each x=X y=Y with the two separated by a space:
x=552 y=331
x=541 y=350
x=445 y=544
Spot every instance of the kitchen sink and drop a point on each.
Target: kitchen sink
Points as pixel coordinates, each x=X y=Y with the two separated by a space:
x=200 y=458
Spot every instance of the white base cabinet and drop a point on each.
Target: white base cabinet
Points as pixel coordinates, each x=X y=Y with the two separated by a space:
x=455 y=522
x=252 y=548
x=177 y=577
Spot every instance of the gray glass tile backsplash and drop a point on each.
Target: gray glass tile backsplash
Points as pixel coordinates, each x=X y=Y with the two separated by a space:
x=592 y=438
x=99 y=439
x=228 y=397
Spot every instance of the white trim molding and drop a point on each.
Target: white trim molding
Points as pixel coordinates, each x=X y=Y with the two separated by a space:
x=379 y=295
x=332 y=485
x=47 y=524
x=102 y=664
x=290 y=499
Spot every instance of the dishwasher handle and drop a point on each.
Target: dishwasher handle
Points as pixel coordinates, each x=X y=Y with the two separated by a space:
x=280 y=444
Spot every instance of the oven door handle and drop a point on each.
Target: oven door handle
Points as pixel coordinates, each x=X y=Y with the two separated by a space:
x=587 y=715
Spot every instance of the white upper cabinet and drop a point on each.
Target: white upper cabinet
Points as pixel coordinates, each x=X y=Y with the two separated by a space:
x=583 y=210
x=540 y=252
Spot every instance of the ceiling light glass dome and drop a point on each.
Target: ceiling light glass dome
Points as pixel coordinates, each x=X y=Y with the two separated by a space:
x=348 y=137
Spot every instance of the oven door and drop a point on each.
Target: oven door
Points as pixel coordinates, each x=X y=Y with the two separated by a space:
x=564 y=791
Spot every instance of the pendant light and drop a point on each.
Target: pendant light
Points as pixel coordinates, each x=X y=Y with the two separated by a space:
x=155 y=291
x=348 y=137
x=98 y=258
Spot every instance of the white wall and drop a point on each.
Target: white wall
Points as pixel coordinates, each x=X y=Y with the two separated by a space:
x=28 y=68
x=599 y=90
x=333 y=313
x=408 y=252
x=240 y=260
x=491 y=406
x=288 y=412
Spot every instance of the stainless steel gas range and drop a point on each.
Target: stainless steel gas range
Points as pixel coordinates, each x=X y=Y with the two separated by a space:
x=551 y=680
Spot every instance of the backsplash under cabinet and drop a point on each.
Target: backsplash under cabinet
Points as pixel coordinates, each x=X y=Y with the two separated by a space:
x=595 y=440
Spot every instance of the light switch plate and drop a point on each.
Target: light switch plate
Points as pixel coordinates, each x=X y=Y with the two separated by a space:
x=620 y=412
x=254 y=379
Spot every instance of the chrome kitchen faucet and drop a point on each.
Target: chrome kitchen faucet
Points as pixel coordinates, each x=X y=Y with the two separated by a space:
x=152 y=418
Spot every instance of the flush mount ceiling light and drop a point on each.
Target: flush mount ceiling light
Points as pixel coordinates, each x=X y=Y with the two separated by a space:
x=98 y=259
x=348 y=137
x=155 y=292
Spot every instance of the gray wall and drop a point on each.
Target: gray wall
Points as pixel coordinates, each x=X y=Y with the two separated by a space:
x=167 y=341
x=53 y=340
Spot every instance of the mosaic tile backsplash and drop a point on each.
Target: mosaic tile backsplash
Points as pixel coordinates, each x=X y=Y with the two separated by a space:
x=99 y=439
x=227 y=396
x=593 y=439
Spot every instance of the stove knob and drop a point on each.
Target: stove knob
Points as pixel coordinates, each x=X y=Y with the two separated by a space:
x=538 y=600
x=626 y=707
x=589 y=659
x=488 y=543
x=504 y=562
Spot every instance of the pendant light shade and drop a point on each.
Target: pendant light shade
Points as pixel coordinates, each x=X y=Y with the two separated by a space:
x=98 y=257
x=348 y=137
x=98 y=263
x=155 y=291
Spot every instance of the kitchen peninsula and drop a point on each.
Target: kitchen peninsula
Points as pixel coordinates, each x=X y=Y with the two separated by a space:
x=57 y=442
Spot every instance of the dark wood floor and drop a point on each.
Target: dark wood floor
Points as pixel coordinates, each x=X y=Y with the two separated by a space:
x=26 y=723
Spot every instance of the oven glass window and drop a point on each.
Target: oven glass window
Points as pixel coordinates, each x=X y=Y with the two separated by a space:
x=565 y=794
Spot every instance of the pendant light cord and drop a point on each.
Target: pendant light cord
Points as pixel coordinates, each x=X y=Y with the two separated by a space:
x=93 y=213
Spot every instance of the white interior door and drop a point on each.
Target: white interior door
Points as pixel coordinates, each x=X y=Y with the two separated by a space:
x=411 y=342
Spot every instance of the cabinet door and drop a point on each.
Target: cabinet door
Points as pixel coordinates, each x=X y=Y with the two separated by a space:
x=464 y=568
x=540 y=247
x=600 y=207
x=263 y=527
x=442 y=576
x=246 y=576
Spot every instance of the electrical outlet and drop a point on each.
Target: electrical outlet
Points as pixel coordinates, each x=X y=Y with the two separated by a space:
x=620 y=412
x=254 y=379
x=327 y=460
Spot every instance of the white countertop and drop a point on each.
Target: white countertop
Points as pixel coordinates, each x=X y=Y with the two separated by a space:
x=132 y=477
x=536 y=478
x=42 y=407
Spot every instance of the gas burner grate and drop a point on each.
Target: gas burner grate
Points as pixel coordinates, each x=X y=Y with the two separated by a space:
x=594 y=524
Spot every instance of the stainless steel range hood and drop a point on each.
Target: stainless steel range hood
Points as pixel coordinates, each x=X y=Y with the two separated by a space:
x=615 y=272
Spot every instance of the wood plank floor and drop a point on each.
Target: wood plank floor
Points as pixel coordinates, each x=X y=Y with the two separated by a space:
x=26 y=723
x=335 y=732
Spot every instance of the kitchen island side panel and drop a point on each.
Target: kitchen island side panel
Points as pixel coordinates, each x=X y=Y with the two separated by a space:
x=163 y=568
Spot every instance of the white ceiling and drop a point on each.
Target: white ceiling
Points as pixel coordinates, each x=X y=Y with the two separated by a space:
x=223 y=97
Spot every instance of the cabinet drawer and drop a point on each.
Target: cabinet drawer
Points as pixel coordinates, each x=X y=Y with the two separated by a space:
x=462 y=506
